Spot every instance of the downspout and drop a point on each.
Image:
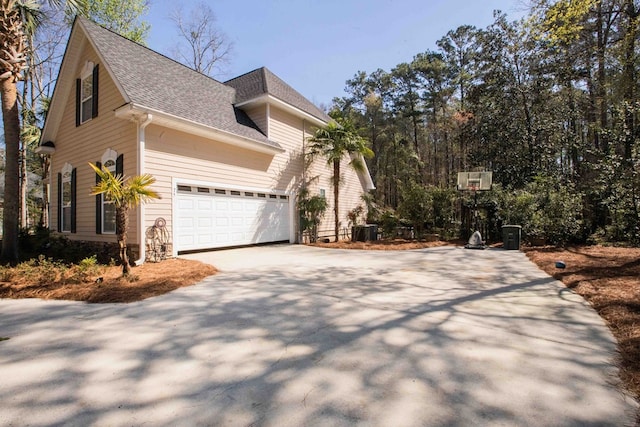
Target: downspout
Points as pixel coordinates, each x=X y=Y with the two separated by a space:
x=304 y=182
x=142 y=124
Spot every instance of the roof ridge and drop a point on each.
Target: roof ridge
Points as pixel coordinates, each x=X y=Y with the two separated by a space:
x=243 y=75
x=90 y=21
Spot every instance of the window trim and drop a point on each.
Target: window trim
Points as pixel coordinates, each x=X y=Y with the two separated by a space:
x=66 y=177
x=109 y=161
x=89 y=75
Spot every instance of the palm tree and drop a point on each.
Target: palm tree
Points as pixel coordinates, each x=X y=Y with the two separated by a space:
x=125 y=195
x=18 y=19
x=333 y=143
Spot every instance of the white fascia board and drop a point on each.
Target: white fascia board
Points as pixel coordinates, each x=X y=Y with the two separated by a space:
x=368 y=181
x=270 y=99
x=173 y=122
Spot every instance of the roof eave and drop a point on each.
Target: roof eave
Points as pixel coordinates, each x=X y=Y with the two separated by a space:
x=270 y=99
x=132 y=110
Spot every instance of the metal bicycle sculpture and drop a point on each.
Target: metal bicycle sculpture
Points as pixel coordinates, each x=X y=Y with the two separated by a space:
x=157 y=241
x=474 y=182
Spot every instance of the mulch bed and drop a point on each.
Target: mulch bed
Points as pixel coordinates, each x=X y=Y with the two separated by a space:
x=145 y=281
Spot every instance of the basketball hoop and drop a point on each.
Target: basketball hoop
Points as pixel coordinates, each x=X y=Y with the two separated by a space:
x=474 y=182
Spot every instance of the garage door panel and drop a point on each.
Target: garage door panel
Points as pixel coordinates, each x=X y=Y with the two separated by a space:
x=211 y=220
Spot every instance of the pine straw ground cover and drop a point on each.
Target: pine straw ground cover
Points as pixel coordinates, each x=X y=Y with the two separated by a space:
x=609 y=279
x=98 y=283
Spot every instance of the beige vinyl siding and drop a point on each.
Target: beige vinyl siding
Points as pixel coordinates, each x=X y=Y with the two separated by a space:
x=259 y=116
x=176 y=155
x=87 y=143
x=350 y=194
x=290 y=131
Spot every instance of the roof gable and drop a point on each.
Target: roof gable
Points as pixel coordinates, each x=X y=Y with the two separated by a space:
x=262 y=81
x=149 y=80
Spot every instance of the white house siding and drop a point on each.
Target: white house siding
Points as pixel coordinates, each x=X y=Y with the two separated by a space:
x=87 y=143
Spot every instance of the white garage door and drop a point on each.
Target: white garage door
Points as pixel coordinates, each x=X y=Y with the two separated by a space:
x=214 y=218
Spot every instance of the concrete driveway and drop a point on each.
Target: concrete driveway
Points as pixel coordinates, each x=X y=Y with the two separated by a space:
x=293 y=336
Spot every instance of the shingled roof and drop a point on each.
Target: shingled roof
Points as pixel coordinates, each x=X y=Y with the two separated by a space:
x=261 y=81
x=151 y=80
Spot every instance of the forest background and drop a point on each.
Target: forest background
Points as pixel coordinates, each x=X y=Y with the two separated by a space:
x=548 y=103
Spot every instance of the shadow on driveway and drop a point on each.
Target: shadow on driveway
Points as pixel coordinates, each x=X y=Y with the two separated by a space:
x=292 y=335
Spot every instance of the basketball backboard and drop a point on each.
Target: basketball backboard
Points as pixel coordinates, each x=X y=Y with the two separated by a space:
x=474 y=181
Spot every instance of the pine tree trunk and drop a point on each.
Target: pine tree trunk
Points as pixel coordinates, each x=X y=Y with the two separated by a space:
x=11 y=121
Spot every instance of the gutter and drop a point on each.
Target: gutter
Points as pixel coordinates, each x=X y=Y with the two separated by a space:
x=143 y=122
x=188 y=126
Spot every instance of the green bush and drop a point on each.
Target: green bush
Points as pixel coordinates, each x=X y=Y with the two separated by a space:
x=389 y=221
x=544 y=209
x=416 y=206
x=312 y=210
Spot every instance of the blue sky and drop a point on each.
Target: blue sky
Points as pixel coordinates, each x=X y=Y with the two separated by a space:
x=315 y=46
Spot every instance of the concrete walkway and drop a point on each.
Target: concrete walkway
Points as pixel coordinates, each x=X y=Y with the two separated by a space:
x=294 y=336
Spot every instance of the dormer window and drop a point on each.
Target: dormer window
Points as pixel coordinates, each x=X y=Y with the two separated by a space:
x=87 y=94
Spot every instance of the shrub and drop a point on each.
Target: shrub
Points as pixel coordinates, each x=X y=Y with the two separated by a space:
x=312 y=210
x=85 y=270
x=389 y=221
x=416 y=206
x=544 y=208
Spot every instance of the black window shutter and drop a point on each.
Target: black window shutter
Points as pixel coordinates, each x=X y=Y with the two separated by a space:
x=94 y=99
x=73 y=200
x=120 y=165
x=98 y=204
x=59 y=202
x=119 y=171
x=78 y=100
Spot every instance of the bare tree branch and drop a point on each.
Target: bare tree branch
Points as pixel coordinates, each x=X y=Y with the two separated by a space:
x=201 y=46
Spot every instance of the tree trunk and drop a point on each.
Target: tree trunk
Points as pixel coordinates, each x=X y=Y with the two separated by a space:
x=336 y=194
x=23 y=185
x=122 y=219
x=601 y=91
x=44 y=215
x=23 y=157
x=11 y=121
x=629 y=77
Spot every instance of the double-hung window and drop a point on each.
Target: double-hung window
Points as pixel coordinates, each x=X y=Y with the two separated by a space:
x=86 y=100
x=87 y=94
x=105 y=209
x=66 y=199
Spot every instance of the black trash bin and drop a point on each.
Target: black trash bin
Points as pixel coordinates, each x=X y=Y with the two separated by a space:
x=511 y=236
